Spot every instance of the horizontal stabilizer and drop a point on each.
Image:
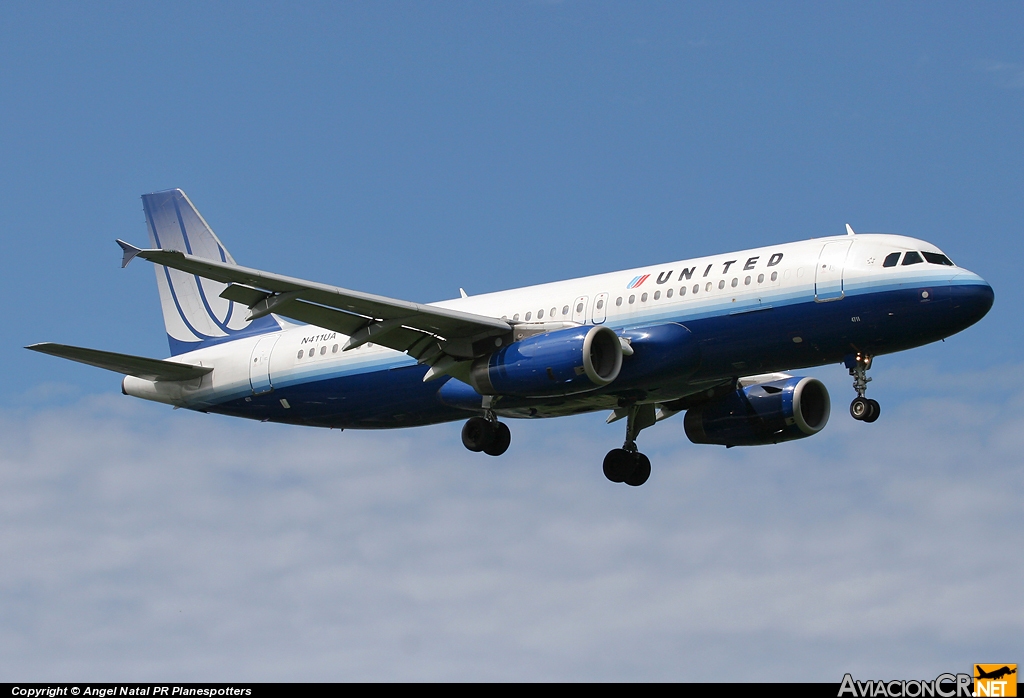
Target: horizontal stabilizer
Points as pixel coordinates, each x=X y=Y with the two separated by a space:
x=139 y=366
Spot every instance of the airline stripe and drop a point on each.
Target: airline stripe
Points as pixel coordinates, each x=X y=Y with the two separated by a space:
x=637 y=281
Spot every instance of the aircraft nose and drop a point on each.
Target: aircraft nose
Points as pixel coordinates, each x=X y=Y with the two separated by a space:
x=972 y=297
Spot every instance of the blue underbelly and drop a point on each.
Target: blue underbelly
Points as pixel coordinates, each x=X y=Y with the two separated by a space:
x=792 y=336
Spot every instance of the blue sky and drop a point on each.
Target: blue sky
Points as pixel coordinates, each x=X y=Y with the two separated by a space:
x=410 y=149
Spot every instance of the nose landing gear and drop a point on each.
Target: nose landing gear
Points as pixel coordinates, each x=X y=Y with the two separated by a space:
x=862 y=409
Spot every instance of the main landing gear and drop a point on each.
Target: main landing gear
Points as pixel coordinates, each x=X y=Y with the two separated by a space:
x=486 y=434
x=862 y=409
x=627 y=464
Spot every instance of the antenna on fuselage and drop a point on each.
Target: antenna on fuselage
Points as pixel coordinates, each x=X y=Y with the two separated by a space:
x=849 y=230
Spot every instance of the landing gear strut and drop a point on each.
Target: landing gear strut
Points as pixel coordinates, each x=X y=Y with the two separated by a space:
x=627 y=464
x=862 y=409
x=486 y=434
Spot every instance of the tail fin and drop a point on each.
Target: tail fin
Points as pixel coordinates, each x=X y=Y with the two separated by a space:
x=194 y=313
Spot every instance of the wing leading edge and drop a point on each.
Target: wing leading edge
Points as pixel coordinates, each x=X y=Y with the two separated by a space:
x=427 y=333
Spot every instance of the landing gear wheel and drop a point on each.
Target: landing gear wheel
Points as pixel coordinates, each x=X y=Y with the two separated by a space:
x=641 y=470
x=860 y=408
x=627 y=464
x=876 y=410
x=631 y=467
x=478 y=434
x=618 y=464
x=501 y=441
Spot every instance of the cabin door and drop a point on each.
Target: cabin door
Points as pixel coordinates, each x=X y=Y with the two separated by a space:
x=828 y=275
x=259 y=364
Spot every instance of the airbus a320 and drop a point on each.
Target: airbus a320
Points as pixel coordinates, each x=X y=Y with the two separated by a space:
x=713 y=337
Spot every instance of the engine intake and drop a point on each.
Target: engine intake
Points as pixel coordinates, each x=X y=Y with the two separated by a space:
x=562 y=362
x=765 y=413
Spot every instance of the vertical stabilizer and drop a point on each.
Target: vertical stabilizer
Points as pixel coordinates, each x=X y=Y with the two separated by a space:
x=194 y=313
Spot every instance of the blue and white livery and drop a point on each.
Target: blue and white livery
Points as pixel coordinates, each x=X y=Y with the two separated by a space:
x=710 y=336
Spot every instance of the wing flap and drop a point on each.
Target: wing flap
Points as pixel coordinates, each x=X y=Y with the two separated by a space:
x=139 y=366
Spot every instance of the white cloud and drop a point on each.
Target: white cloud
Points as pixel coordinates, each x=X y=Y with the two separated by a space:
x=141 y=544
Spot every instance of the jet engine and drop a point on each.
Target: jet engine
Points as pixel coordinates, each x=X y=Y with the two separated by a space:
x=764 y=413
x=561 y=362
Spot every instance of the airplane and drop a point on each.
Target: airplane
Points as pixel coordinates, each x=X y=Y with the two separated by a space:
x=995 y=674
x=714 y=337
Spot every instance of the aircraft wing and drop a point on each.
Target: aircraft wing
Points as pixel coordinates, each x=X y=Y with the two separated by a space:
x=140 y=366
x=425 y=332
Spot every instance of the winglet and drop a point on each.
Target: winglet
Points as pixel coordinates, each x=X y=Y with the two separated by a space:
x=849 y=230
x=130 y=252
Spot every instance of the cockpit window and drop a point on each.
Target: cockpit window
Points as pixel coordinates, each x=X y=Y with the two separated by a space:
x=942 y=259
x=912 y=258
x=891 y=260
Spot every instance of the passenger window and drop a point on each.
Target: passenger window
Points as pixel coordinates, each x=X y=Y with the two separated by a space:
x=540 y=313
x=632 y=299
x=746 y=281
x=515 y=318
x=735 y=282
x=668 y=293
x=696 y=287
x=600 y=304
x=618 y=301
x=657 y=295
x=528 y=316
x=760 y=278
x=643 y=298
x=553 y=312
x=775 y=276
x=565 y=310
x=301 y=352
x=721 y=284
x=942 y=259
x=912 y=258
x=334 y=349
x=579 y=308
x=891 y=260
x=323 y=350
x=682 y=290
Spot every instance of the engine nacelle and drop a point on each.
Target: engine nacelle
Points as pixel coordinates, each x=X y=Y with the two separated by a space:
x=765 y=413
x=562 y=362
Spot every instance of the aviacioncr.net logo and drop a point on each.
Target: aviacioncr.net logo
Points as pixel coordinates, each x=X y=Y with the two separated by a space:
x=942 y=686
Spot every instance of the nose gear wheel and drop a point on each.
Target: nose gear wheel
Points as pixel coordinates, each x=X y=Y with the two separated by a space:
x=862 y=409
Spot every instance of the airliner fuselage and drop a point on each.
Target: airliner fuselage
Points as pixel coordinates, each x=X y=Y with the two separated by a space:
x=709 y=335
x=758 y=311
